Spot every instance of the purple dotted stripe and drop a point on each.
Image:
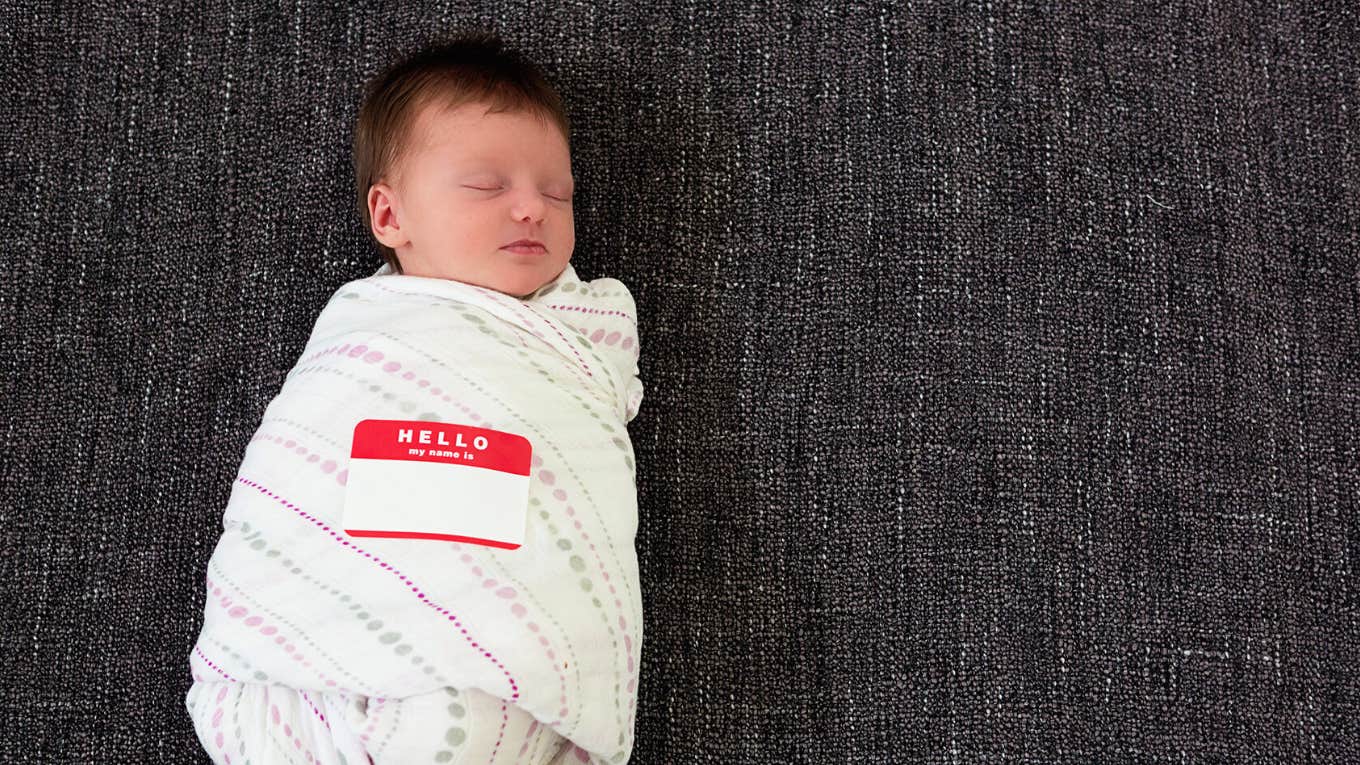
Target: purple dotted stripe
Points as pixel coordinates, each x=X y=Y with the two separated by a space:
x=547 y=477
x=219 y=739
x=515 y=308
x=204 y=658
x=455 y=285
x=420 y=595
x=519 y=336
x=520 y=612
x=393 y=367
x=583 y=309
x=500 y=734
x=321 y=716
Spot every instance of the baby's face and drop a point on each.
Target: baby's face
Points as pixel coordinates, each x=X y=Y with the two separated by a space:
x=472 y=184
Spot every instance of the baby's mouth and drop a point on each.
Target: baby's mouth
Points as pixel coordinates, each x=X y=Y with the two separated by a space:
x=525 y=249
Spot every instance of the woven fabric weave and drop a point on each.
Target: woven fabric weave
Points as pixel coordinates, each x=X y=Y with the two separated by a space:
x=1003 y=359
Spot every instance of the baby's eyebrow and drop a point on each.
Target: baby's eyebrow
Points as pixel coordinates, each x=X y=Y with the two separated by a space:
x=568 y=181
x=481 y=168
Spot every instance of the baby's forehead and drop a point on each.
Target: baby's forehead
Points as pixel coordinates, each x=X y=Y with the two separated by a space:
x=460 y=138
x=428 y=128
x=437 y=129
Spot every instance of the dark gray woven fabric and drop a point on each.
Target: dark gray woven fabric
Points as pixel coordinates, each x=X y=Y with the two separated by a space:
x=1002 y=361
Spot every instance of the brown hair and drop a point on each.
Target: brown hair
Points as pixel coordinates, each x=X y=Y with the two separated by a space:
x=472 y=67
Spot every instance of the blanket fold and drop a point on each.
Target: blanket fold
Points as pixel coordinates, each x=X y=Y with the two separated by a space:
x=553 y=627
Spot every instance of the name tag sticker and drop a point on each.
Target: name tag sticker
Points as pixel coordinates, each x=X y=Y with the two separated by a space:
x=410 y=479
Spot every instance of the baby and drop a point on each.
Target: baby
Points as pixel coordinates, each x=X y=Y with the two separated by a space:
x=516 y=636
x=467 y=177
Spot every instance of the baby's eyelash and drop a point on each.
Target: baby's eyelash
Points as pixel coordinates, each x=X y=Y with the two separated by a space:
x=497 y=188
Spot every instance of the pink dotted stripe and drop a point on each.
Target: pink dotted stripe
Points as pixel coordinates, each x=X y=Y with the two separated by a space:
x=277 y=719
x=410 y=585
x=313 y=457
x=609 y=339
x=506 y=592
x=516 y=308
x=519 y=611
x=547 y=477
x=496 y=297
x=219 y=711
x=373 y=711
x=393 y=368
x=529 y=738
x=519 y=337
x=253 y=621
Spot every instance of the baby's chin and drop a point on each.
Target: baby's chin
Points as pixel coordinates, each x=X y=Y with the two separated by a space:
x=518 y=291
x=526 y=295
x=513 y=287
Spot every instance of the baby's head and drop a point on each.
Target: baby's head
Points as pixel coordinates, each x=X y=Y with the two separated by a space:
x=459 y=150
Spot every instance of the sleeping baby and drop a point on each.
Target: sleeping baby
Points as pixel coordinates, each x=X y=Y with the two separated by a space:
x=427 y=554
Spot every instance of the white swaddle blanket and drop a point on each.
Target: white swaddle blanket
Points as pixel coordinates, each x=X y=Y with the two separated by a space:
x=335 y=648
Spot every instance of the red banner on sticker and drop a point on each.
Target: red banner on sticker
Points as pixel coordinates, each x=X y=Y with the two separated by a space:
x=456 y=444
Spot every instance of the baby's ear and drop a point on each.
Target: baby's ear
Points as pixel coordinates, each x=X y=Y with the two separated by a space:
x=382 y=214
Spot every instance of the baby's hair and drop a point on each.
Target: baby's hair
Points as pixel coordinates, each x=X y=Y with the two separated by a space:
x=471 y=67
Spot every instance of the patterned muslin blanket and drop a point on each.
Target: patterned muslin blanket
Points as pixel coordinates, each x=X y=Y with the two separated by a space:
x=312 y=639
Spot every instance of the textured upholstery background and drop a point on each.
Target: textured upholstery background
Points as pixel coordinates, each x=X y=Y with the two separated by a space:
x=1001 y=359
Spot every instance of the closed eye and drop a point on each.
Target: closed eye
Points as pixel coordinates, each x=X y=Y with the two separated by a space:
x=498 y=188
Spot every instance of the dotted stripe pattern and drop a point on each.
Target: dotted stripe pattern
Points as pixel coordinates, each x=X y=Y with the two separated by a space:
x=396 y=379
x=546 y=476
x=344 y=541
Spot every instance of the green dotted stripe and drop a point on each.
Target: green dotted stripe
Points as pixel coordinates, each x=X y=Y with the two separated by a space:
x=309 y=431
x=577 y=563
x=301 y=636
x=531 y=427
x=454 y=734
x=385 y=639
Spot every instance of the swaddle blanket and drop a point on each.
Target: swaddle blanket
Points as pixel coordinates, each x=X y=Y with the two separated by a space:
x=352 y=626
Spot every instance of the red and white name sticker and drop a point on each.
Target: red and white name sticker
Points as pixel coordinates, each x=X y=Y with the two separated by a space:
x=410 y=479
